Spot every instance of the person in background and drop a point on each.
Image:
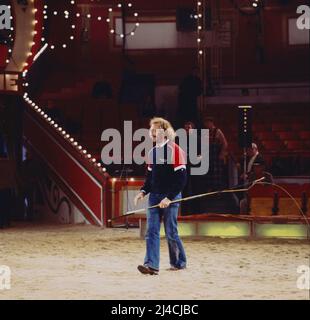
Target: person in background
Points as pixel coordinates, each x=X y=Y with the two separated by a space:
x=258 y=171
x=215 y=178
x=193 y=181
x=253 y=157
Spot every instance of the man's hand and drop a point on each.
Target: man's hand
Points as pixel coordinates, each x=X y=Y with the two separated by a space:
x=165 y=203
x=138 y=197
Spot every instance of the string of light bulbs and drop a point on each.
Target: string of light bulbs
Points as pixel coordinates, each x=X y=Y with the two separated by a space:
x=108 y=20
x=199 y=18
x=61 y=131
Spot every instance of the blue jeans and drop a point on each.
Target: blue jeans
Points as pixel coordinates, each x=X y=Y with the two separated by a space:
x=152 y=237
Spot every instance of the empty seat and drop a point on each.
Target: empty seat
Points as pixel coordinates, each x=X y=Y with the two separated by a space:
x=298 y=126
x=287 y=135
x=304 y=135
x=280 y=127
x=260 y=127
x=273 y=145
x=267 y=135
x=294 y=145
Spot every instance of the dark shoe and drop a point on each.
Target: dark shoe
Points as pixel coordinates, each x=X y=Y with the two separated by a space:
x=176 y=268
x=147 y=270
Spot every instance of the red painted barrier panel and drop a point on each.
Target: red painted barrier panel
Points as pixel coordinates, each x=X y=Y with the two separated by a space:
x=87 y=187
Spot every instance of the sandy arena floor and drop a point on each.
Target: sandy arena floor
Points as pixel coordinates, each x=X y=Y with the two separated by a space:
x=85 y=262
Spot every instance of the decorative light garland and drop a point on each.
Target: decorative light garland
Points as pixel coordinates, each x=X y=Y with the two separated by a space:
x=199 y=18
x=64 y=134
x=98 y=18
x=35 y=107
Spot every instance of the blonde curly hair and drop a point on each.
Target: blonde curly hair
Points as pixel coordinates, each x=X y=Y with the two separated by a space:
x=165 y=125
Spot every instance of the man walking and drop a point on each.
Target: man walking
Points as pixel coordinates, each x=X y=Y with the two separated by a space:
x=166 y=178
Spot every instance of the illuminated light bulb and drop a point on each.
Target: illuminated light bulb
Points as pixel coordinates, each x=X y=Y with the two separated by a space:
x=99 y=18
x=75 y=143
x=71 y=140
x=72 y=38
x=200 y=15
x=122 y=36
x=73 y=26
x=132 y=33
x=129 y=5
x=119 y=5
x=199 y=3
x=56 y=125
x=45 y=17
x=137 y=24
x=7 y=61
x=114 y=179
x=72 y=2
x=93 y=160
x=99 y=164
x=55 y=13
x=198 y=40
x=110 y=9
x=66 y=13
x=254 y=4
x=84 y=151
x=104 y=169
x=132 y=179
x=45 y=7
x=52 y=47
x=108 y=20
x=89 y=156
x=88 y=16
x=78 y=15
x=199 y=27
x=52 y=122
x=49 y=119
x=200 y=52
x=43 y=39
x=63 y=132
x=112 y=31
x=80 y=147
x=135 y=14
x=64 y=46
